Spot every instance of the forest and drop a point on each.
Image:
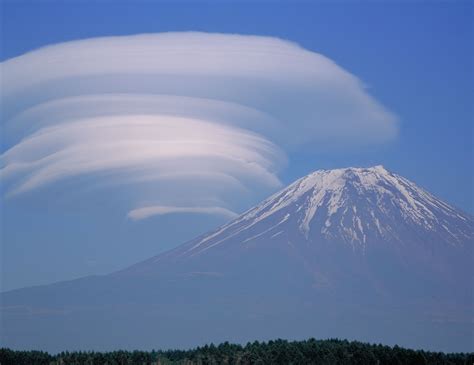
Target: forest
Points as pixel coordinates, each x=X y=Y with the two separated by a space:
x=317 y=352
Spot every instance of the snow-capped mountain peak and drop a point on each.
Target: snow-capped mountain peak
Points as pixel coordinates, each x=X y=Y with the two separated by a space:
x=358 y=206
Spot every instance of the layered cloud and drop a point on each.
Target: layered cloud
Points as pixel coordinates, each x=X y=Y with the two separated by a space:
x=145 y=212
x=213 y=113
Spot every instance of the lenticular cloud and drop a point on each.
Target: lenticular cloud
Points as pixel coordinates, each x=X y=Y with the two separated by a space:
x=219 y=110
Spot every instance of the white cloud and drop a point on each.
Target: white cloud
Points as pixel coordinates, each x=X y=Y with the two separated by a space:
x=139 y=143
x=146 y=212
x=204 y=117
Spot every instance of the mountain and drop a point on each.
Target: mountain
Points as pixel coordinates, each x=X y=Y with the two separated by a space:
x=359 y=253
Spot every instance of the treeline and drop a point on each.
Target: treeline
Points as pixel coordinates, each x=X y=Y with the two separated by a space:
x=273 y=352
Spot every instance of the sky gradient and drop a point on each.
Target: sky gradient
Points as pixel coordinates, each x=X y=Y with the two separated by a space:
x=414 y=58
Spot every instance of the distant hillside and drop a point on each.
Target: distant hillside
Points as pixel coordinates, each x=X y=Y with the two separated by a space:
x=273 y=352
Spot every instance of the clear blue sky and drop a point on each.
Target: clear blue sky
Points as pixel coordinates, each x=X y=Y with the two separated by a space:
x=415 y=57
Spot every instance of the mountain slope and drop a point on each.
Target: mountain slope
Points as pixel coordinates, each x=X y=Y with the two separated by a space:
x=357 y=253
x=354 y=205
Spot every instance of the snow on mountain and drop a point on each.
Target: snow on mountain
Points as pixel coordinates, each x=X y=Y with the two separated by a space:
x=359 y=206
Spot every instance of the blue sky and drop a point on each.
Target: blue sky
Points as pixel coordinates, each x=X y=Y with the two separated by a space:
x=416 y=58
